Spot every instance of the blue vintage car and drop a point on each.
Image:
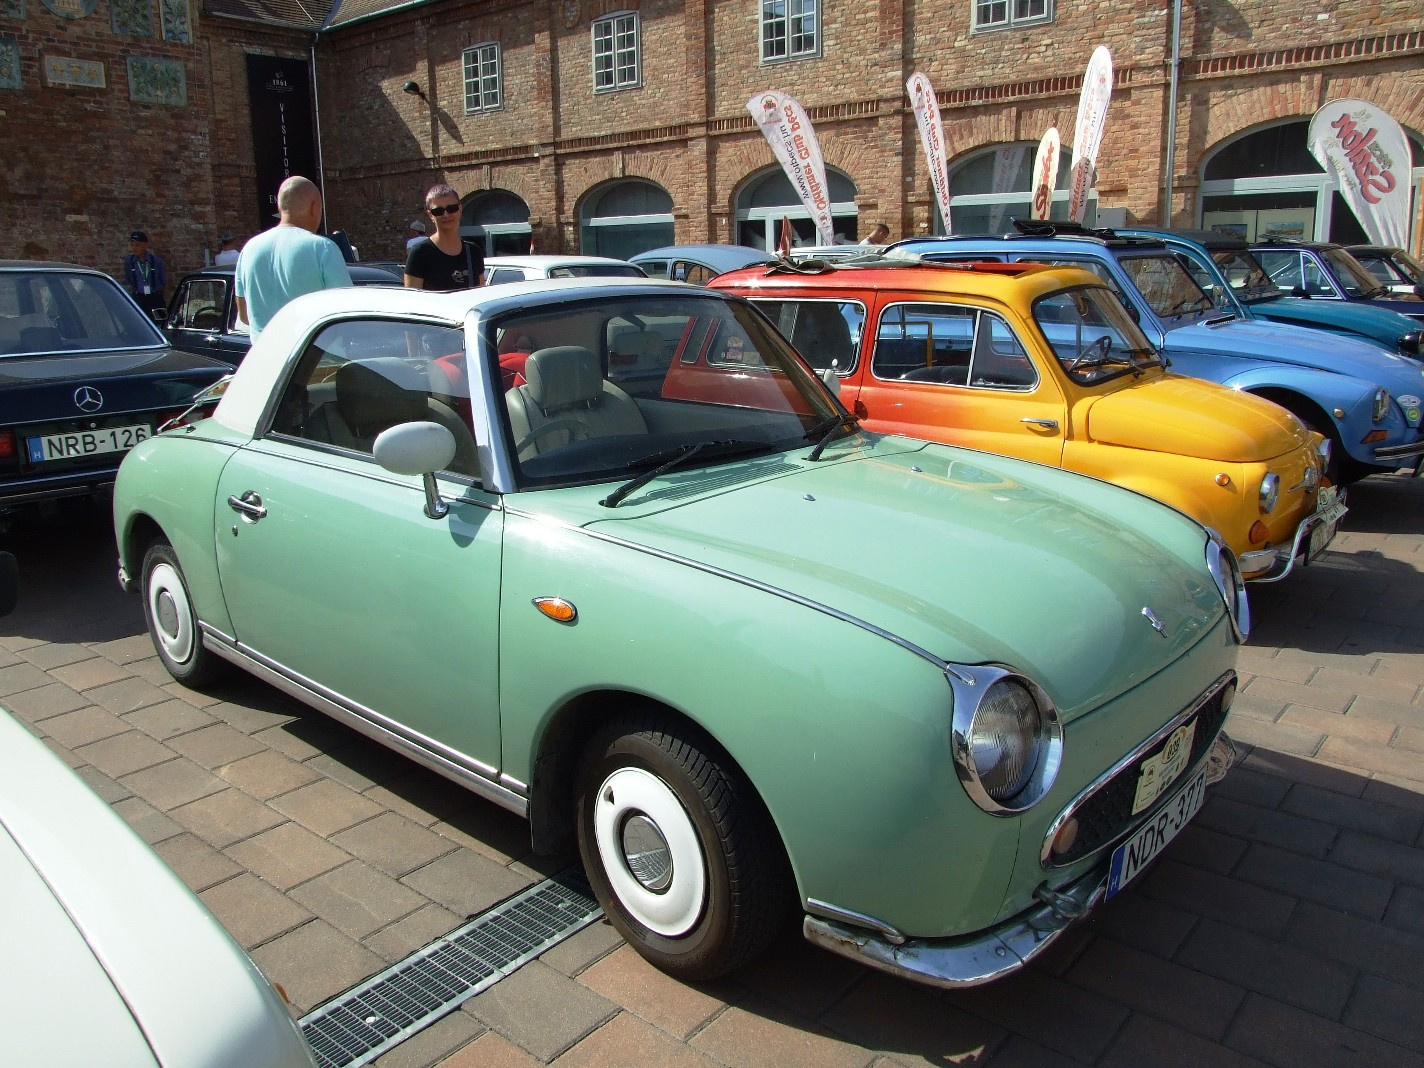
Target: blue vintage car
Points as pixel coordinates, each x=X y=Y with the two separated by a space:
x=1322 y=270
x=697 y=264
x=1225 y=267
x=1365 y=400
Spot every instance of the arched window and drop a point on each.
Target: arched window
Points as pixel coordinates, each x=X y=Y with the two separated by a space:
x=500 y=220
x=1266 y=182
x=990 y=188
x=625 y=218
x=769 y=197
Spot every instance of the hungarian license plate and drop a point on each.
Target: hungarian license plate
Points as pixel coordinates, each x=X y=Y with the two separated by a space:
x=86 y=443
x=1152 y=837
x=1331 y=510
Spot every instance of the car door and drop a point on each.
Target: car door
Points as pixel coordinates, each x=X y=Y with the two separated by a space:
x=960 y=374
x=332 y=572
x=198 y=320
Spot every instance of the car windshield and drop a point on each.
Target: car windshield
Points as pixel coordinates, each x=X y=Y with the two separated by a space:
x=1248 y=279
x=1410 y=263
x=1166 y=285
x=1357 y=282
x=1092 y=335
x=596 y=270
x=609 y=389
x=45 y=313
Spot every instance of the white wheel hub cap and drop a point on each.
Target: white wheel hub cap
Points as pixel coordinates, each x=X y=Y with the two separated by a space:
x=650 y=852
x=172 y=617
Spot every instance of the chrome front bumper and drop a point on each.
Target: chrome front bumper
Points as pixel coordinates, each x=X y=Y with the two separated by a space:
x=991 y=954
x=1272 y=565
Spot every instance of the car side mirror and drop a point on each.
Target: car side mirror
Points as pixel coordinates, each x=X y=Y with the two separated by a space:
x=160 y=315
x=418 y=449
x=831 y=379
x=1419 y=290
x=1299 y=291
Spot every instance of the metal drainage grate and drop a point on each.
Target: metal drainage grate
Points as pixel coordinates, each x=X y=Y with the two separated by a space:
x=356 y=1027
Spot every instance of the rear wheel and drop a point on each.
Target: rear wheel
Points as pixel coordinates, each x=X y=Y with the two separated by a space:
x=172 y=622
x=678 y=848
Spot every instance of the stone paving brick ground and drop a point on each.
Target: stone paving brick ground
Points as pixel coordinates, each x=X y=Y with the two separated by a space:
x=1284 y=928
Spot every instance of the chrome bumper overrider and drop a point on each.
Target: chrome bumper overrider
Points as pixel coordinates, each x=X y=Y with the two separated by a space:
x=991 y=954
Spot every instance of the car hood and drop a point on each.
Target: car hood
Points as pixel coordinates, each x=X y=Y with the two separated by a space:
x=38 y=388
x=1381 y=324
x=972 y=557
x=1299 y=345
x=1191 y=417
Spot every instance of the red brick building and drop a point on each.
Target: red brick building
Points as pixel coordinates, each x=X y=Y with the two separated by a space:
x=615 y=125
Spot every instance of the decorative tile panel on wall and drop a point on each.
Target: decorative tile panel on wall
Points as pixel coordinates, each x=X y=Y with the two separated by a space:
x=175 y=21
x=158 y=81
x=74 y=73
x=133 y=17
x=12 y=9
x=9 y=64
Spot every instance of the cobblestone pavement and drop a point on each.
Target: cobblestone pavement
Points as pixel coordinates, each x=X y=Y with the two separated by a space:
x=1284 y=927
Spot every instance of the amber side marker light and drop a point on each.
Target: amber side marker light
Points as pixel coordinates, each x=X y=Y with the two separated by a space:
x=556 y=608
x=1258 y=533
x=1373 y=435
x=1223 y=479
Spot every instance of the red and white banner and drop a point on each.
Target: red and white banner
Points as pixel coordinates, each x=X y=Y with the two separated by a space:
x=787 y=129
x=926 y=105
x=1045 y=174
x=1088 y=130
x=1367 y=154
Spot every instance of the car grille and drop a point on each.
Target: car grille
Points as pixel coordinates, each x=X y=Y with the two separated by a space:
x=1105 y=816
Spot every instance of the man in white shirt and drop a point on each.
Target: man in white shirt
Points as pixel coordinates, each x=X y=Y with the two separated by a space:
x=227 y=255
x=416 y=233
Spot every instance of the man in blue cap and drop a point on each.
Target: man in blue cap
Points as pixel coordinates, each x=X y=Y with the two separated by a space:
x=145 y=275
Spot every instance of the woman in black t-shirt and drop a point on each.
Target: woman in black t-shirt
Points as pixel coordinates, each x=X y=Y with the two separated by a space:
x=444 y=261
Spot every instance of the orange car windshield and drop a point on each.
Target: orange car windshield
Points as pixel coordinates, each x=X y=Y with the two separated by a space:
x=1092 y=335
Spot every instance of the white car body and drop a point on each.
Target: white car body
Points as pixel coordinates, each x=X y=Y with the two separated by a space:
x=109 y=958
x=500 y=269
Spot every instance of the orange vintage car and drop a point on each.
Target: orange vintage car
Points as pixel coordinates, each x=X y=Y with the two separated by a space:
x=1043 y=363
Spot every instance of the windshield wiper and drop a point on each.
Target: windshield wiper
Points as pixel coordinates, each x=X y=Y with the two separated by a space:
x=828 y=430
x=668 y=459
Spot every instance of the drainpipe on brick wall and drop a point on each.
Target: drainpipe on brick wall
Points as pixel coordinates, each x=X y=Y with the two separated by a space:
x=1170 y=158
x=316 y=106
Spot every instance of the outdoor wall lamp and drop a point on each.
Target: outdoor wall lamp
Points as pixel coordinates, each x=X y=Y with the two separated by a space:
x=413 y=88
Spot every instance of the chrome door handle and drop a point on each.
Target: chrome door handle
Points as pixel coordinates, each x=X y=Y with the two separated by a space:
x=249 y=504
x=1047 y=424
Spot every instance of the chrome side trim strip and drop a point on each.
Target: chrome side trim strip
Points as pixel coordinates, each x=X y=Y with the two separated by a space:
x=465 y=770
x=732 y=576
x=1069 y=810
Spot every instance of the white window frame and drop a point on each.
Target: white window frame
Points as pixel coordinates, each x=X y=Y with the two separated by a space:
x=777 y=24
x=623 y=61
x=479 y=83
x=1038 y=13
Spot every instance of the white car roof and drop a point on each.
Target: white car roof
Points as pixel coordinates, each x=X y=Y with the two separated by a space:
x=134 y=969
x=276 y=347
x=547 y=262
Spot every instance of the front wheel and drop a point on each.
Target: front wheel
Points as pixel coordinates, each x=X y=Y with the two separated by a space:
x=678 y=848
x=172 y=623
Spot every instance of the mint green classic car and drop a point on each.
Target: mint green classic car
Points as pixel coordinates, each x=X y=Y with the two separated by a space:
x=608 y=553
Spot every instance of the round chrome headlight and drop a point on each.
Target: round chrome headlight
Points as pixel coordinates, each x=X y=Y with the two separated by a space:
x=1269 y=492
x=1381 y=408
x=1412 y=343
x=1226 y=573
x=1008 y=743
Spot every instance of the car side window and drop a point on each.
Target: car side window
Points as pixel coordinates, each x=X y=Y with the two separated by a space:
x=497 y=275
x=1000 y=360
x=360 y=377
x=824 y=332
x=1314 y=280
x=204 y=304
x=925 y=343
x=1283 y=266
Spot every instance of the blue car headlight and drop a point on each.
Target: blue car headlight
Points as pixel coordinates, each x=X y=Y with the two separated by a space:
x=1381 y=408
x=1412 y=343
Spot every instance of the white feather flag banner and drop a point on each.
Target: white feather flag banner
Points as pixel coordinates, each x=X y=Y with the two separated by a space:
x=926 y=106
x=788 y=130
x=1367 y=154
x=1045 y=174
x=1088 y=130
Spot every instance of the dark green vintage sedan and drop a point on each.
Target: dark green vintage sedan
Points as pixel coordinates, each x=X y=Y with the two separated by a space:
x=607 y=552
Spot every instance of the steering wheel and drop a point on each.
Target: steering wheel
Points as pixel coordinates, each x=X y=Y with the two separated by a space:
x=1102 y=346
x=579 y=431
